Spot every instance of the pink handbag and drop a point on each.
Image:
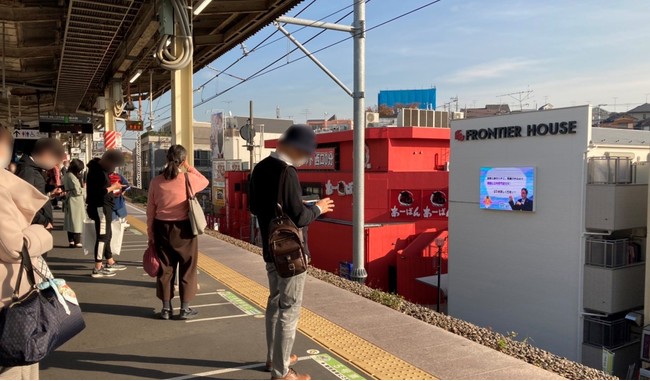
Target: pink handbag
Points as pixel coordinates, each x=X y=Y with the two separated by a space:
x=150 y=262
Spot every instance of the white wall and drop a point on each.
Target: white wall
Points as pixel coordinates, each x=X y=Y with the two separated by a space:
x=234 y=147
x=521 y=271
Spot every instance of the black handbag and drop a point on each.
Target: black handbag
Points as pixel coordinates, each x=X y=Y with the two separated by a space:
x=34 y=325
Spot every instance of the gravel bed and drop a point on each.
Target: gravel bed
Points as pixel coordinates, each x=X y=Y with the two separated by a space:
x=507 y=344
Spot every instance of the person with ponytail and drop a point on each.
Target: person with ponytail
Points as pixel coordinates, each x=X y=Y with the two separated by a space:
x=170 y=231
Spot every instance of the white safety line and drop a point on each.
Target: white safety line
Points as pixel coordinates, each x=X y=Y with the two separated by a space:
x=201 y=294
x=216 y=318
x=136 y=208
x=205 y=305
x=227 y=370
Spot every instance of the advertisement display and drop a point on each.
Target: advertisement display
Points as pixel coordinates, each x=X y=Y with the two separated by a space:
x=219 y=173
x=507 y=188
x=216 y=135
x=233 y=165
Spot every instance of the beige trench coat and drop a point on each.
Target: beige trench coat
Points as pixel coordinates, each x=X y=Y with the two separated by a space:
x=19 y=202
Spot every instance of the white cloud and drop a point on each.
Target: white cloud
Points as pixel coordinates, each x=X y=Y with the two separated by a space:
x=493 y=69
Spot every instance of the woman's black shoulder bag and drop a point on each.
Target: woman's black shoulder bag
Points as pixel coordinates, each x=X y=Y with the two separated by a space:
x=34 y=325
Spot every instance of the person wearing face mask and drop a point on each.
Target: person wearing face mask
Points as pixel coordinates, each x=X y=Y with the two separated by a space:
x=47 y=153
x=295 y=147
x=19 y=202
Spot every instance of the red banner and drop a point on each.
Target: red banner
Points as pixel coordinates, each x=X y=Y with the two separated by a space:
x=322 y=159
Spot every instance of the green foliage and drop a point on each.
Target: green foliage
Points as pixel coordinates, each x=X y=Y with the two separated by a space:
x=389 y=300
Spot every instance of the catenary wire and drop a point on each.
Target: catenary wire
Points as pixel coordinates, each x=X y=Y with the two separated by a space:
x=267 y=68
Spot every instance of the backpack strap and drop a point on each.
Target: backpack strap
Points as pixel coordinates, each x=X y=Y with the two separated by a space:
x=283 y=178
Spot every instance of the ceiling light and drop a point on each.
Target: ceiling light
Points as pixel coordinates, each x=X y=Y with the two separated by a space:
x=135 y=76
x=201 y=7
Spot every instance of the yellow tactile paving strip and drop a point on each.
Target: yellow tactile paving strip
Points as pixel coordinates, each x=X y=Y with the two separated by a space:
x=368 y=357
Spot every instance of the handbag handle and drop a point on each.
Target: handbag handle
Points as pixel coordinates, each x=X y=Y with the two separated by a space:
x=25 y=266
x=188 y=187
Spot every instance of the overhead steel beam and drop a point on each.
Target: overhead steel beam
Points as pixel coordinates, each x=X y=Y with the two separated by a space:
x=313 y=58
x=235 y=6
x=210 y=39
x=315 y=24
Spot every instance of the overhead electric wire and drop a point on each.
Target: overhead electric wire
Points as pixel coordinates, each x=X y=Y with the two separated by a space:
x=267 y=68
x=262 y=43
x=256 y=47
x=260 y=71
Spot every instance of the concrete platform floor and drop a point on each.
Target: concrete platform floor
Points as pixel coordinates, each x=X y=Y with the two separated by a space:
x=125 y=339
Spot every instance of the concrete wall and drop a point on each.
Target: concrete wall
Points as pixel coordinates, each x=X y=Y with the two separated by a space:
x=521 y=271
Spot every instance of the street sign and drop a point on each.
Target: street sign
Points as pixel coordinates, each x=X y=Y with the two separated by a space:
x=28 y=134
x=246 y=132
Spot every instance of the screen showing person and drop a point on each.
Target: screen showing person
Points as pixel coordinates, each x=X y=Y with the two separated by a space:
x=524 y=203
x=507 y=188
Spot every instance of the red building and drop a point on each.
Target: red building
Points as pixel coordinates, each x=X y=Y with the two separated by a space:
x=406 y=206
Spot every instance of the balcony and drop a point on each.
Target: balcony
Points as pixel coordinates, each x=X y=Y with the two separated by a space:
x=616 y=206
x=614 y=275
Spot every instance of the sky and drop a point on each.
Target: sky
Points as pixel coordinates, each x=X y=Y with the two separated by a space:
x=566 y=52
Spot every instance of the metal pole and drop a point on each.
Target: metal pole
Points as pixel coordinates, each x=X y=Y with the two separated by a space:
x=439 y=276
x=359 y=273
x=251 y=150
x=314 y=59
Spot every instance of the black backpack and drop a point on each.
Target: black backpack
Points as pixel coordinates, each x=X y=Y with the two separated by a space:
x=286 y=241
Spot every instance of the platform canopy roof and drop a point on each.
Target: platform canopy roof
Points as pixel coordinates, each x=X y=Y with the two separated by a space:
x=65 y=52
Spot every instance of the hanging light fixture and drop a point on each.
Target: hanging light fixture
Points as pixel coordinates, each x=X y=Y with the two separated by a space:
x=135 y=76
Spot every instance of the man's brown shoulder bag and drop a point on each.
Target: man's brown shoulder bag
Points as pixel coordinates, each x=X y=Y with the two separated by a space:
x=285 y=240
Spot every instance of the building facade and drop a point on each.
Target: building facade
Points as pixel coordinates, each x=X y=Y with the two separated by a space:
x=545 y=263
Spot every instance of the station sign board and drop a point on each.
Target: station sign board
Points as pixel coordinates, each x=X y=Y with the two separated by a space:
x=65 y=123
x=28 y=134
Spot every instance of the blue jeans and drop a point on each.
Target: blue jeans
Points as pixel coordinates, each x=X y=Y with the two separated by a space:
x=282 y=314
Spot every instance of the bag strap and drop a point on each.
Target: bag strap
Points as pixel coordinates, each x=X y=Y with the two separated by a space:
x=25 y=266
x=283 y=178
x=188 y=187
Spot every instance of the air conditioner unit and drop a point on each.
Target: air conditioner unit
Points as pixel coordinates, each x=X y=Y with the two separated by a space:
x=372 y=117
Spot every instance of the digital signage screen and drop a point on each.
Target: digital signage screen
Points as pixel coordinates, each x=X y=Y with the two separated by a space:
x=508 y=188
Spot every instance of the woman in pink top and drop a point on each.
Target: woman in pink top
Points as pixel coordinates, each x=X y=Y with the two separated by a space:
x=170 y=232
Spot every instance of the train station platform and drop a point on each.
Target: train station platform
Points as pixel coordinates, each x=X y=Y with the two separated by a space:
x=342 y=335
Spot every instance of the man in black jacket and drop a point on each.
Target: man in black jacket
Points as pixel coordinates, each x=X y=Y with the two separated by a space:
x=285 y=298
x=100 y=200
x=32 y=168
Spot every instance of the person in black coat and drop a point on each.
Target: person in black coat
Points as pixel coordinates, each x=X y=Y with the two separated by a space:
x=100 y=200
x=295 y=147
x=47 y=153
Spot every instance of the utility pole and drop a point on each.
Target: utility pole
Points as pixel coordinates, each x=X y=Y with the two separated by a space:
x=359 y=273
x=358 y=31
x=251 y=149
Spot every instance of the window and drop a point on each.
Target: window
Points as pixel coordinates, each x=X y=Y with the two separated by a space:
x=202 y=159
x=312 y=189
